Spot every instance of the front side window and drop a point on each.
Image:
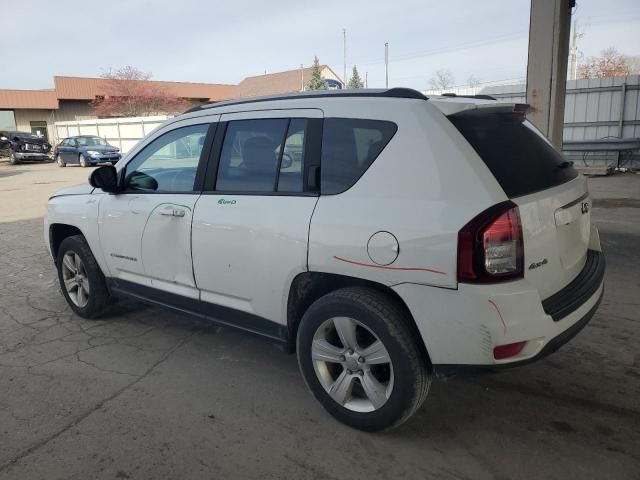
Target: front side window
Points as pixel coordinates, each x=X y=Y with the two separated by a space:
x=349 y=147
x=169 y=163
x=253 y=158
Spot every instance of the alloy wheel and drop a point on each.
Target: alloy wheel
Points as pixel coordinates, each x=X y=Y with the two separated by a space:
x=352 y=364
x=76 y=281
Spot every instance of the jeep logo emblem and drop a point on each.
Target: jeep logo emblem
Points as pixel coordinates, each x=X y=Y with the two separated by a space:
x=222 y=201
x=584 y=207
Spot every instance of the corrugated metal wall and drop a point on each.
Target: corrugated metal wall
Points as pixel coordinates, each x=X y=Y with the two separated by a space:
x=592 y=108
x=597 y=111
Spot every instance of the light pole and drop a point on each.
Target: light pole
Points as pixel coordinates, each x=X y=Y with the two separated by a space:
x=386 y=64
x=344 y=52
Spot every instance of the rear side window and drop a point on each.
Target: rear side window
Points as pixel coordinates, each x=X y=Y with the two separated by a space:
x=518 y=155
x=349 y=147
x=263 y=155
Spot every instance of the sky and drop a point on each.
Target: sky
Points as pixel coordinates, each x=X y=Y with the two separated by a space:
x=224 y=41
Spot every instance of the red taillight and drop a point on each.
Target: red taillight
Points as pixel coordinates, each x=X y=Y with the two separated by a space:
x=490 y=247
x=510 y=350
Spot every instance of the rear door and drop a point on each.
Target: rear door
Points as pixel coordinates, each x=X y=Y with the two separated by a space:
x=250 y=230
x=552 y=197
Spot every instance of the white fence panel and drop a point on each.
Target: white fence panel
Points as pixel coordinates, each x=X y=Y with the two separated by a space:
x=123 y=133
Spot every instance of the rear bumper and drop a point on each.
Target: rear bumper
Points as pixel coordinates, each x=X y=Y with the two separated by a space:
x=443 y=370
x=460 y=328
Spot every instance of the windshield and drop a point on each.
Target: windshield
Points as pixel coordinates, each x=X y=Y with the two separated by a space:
x=91 y=142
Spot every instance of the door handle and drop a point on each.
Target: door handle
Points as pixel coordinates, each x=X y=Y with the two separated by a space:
x=173 y=212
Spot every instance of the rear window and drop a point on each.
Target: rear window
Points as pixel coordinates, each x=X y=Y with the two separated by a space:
x=519 y=157
x=349 y=147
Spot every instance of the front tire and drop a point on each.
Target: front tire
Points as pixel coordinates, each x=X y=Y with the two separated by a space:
x=12 y=158
x=81 y=280
x=361 y=360
x=82 y=161
x=60 y=161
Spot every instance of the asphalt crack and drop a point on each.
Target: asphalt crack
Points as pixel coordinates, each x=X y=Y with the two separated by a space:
x=38 y=445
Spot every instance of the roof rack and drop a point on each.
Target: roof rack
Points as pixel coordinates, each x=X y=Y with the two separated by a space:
x=479 y=97
x=355 y=92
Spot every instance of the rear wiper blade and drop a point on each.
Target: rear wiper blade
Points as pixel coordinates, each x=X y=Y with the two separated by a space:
x=565 y=164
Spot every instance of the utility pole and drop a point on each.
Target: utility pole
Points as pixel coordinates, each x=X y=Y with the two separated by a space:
x=573 y=54
x=344 y=52
x=386 y=64
x=366 y=79
x=301 y=78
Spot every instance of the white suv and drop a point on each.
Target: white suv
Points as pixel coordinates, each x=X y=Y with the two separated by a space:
x=384 y=236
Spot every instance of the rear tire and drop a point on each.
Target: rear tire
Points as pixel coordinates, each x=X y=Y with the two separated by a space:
x=363 y=385
x=60 y=161
x=81 y=280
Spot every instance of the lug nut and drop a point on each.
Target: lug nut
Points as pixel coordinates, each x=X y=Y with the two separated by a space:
x=349 y=372
x=350 y=352
x=360 y=372
x=342 y=359
x=361 y=359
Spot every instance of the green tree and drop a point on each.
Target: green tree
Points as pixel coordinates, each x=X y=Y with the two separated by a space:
x=355 y=81
x=316 y=82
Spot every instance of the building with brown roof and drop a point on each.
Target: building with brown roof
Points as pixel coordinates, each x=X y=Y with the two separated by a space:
x=70 y=99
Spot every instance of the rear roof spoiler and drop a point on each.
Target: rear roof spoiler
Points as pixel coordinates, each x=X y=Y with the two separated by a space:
x=490 y=108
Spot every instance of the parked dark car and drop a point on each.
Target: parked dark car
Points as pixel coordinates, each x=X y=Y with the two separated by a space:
x=85 y=150
x=24 y=147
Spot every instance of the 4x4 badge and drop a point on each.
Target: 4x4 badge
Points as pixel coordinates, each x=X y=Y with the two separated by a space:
x=222 y=201
x=542 y=262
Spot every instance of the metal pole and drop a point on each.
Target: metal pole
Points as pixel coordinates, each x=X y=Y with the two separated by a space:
x=386 y=64
x=623 y=94
x=344 y=51
x=301 y=78
x=366 y=79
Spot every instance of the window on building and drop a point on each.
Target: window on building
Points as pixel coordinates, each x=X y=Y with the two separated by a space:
x=7 y=120
x=349 y=147
x=39 y=128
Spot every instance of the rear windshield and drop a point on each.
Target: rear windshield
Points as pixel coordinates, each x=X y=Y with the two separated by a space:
x=520 y=158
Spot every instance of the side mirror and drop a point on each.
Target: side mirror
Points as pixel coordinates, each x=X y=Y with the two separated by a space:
x=105 y=178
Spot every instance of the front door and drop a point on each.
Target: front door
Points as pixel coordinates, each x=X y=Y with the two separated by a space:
x=250 y=230
x=145 y=231
x=69 y=151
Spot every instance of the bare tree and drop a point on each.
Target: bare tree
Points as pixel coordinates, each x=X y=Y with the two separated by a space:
x=441 y=79
x=129 y=93
x=473 y=81
x=634 y=63
x=610 y=63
